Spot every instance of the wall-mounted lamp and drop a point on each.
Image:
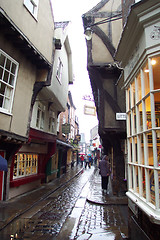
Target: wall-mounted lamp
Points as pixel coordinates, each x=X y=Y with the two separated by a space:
x=88 y=29
x=88 y=33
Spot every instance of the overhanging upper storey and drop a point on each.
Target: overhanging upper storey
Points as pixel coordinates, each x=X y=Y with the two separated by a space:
x=14 y=34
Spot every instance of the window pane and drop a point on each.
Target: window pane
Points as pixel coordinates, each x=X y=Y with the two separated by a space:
x=11 y=79
x=38 y=118
x=141 y=150
x=135 y=149
x=152 y=186
x=1 y=73
x=156 y=71
x=129 y=124
x=8 y=65
x=2 y=60
x=150 y=149
x=13 y=69
x=1 y=101
x=128 y=99
x=15 y=166
x=7 y=98
x=139 y=87
x=134 y=122
x=2 y=88
x=140 y=117
x=148 y=112
x=157 y=108
x=144 y=184
x=146 y=78
x=6 y=75
x=130 y=150
x=133 y=94
x=29 y=5
x=42 y=120
x=132 y=177
x=136 y=179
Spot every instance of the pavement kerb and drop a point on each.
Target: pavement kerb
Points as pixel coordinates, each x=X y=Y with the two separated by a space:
x=12 y=218
x=110 y=201
x=98 y=198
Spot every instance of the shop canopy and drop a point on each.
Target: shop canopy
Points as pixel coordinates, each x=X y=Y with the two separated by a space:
x=3 y=164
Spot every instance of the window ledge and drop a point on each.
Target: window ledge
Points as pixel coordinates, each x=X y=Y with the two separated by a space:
x=153 y=214
x=25 y=180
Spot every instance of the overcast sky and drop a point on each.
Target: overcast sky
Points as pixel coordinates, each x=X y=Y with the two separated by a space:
x=72 y=10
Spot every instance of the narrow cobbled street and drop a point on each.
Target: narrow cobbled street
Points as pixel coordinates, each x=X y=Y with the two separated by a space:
x=76 y=210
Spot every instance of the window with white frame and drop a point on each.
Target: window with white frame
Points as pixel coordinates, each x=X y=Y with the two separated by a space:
x=40 y=116
x=8 y=76
x=143 y=132
x=59 y=70
x=51 y=124
x=25 y=165
x=32 y=6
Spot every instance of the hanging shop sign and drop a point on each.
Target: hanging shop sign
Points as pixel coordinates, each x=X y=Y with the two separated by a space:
x=66 y=128
x=78 y=137
x=75 y=141
x=88 y=110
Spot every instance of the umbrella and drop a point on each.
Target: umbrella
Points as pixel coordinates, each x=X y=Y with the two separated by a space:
x=82 y=154
x=3 y=164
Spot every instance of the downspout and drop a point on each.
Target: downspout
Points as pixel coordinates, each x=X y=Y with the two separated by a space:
x=37 y=88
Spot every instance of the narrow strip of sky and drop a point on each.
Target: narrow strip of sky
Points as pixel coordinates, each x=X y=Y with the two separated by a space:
x=73 y=10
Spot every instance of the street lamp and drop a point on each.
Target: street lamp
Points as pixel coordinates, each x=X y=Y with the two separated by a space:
x=88 y=33
x=89 y=29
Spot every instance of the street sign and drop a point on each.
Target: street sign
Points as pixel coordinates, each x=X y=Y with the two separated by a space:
x=66 y=128
x=121 y=116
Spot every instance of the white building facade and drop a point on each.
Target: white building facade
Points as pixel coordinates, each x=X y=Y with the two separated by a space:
x=139 y=53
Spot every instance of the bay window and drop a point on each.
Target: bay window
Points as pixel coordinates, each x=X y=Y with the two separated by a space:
x=143 y=133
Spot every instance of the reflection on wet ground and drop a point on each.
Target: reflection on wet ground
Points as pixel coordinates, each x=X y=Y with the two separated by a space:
x=66 y=214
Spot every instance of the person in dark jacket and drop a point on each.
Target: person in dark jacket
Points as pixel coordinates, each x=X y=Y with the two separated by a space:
x=105 y=171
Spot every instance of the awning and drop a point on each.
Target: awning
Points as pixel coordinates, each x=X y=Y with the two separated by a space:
x=59 y=142
x=3 y=164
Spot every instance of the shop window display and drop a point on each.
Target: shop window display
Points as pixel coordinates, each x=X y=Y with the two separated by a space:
x=143 y=132
x=25 y=165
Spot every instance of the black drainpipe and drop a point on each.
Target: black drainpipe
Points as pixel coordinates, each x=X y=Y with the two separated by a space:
x=36 y=89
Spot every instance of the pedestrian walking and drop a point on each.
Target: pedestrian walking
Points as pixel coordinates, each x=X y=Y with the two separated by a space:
x=87 y=162
x=90 y=161
x=82 y=160
x=105 y=171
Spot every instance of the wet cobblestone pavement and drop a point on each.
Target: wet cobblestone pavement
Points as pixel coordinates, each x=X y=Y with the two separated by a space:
x=99 y=222
x=45 y=220
x=77 y=210
x=102 y=216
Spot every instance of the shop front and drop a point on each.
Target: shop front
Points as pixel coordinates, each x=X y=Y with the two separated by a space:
x=28 y=169
x=139 y=51
x=64 y=156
